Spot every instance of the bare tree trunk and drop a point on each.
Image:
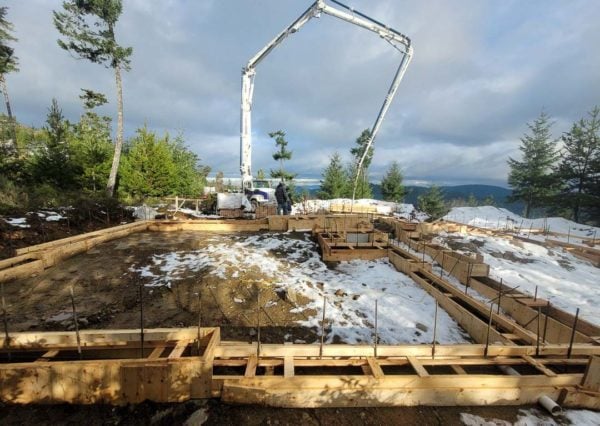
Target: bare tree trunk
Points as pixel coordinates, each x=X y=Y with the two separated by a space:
x=112 y=178
x=9 y=113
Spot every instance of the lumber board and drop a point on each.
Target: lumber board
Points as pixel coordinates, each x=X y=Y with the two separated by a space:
x=129 y=227
x=251 y=366
x=288 y=366
x=343 y=350
x=541 y=367
x=556 y=331
x=417 y=366
x=591 y=378
x=364 y=391
x=374 y=367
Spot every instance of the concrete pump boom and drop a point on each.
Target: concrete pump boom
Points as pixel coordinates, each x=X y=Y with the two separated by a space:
x=396 y=39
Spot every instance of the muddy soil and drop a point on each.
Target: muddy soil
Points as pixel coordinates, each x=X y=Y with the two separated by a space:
x=41 y=231
x=107 y=294
x=212 y=412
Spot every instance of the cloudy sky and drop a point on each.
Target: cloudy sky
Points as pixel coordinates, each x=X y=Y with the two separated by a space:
x=481 y=70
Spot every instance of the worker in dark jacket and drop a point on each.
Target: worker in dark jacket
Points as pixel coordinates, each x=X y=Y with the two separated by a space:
x=282 y=199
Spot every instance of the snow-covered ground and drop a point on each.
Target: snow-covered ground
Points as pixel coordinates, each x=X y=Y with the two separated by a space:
x=406 y=211
x=21 y=222
x=497 y=218
x=405 y=311
x=537 y=417
x=565 y=280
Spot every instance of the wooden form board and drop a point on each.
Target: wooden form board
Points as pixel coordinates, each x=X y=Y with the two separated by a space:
x=336 y=249
x=109 y=233
x=555 y=331
x=35 y=259
x=361 y=391
x=174 y=379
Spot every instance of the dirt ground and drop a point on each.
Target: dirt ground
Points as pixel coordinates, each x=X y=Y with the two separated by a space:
x=213 y=412
x=107 y=294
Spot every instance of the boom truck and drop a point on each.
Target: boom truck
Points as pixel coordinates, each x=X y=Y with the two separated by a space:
x=397 y=40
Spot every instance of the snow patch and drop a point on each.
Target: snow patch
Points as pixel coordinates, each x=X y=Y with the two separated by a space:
x=405 y=310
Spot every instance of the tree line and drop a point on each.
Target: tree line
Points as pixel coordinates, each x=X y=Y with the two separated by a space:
x=559 y=176
x=39 y=166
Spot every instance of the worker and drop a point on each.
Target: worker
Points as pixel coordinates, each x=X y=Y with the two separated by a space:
x=282 y=198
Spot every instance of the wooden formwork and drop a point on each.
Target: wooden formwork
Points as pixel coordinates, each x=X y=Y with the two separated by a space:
x=171 y=369
x=35 y=259
x=116 y=370
x=113 y=369
x=338 y=247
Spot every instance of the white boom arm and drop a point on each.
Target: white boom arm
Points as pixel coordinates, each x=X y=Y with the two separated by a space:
x=396 y=39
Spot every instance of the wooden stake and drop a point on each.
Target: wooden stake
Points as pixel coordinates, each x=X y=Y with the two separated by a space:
x=568 y=234
x=434 y=330
x=141 y=319
x=199 y=314
x=5 y=322
x=546 y=322
x=487 y=337
x=258 y=323
x=573 y=333
x=469 y=270
x=75 y=322
x=322 y=328
x=537 y=337
x=499 y=300
x=376 y=330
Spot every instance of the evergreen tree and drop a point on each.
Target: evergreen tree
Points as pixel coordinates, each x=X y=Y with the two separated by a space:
x=334 y=179
x=360 y=178
x=190 y=177
x=579 y=167
x=8 y=63
x=391 y=184
x=282 y=154
x=89 y=30
x=472 y=201
x=148 y=169
x=91 y=144
x=260 y=174
x=219 y=185
x=432 y=203
x=531 y=179
x=52 y=163
x=489 y=201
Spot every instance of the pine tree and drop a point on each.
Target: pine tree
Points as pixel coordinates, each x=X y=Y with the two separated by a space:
x=91 y=143
x=360 y=178
x=531 y=179
x=579 y=167
x=219 y=185
x=334 y=179
x=472 y=201
x=52 y=163
x=8 y=63
x=432 y=203
x=281 y=155
x=489 y=201
x=89 y=30
x=148 y=167
x=391 y=184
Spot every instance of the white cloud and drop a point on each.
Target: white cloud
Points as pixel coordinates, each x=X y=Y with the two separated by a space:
x=481 y=70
